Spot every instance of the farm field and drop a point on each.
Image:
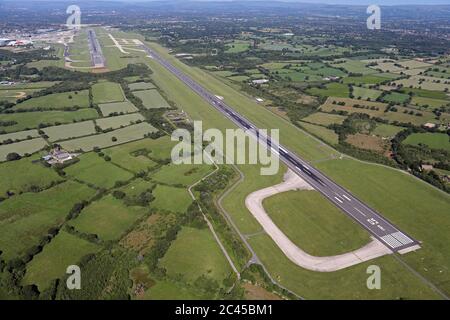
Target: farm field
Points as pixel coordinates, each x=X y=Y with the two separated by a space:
x=355 y=66
x=238 y=46
x=301 y=215
x=108 y=218
x=119 y=121
x=164 y=199
x=105 y=140
x=27 y=175
x=22 y=148
x=30 y=120
x=366 y=94
x=136 y=156
x=94 y=170
x=182 y=174
x=194 y=254
x=368 y=79
x=376 y=109
x=106 y=92
x=324 y=119
x=151 y=99
x=432 y=140
x=64 y=250
x=429 y=103
x=29 y=216
x=69 y=131
x=424 y=82
x=56 y=101
x=395 y=97
x=168 y=290
x=331 y=90
x=14 y=95
x=141 y=86
x=21 y=135
x=117 y=107
x=387 y=130
x=321 y=132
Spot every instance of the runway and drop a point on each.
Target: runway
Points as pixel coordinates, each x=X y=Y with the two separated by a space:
x=97 y=58
x=368 y=218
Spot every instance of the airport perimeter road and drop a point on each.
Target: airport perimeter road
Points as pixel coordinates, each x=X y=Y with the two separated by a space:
x=97 y=58
x=373 y=222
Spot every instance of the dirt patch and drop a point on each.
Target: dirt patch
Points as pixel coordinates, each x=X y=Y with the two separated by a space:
x=253 y=292
x=142 y=238
x=366 y=142
x=278 y=111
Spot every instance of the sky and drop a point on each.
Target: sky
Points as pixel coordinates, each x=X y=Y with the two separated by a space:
x=352 y=2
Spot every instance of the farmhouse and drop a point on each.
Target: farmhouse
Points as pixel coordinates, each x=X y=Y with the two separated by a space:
x=58 y=155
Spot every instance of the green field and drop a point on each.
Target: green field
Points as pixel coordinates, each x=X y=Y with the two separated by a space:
x=29 y=216
x=324 y=119
x=396 y=97
x=368 y=79
x=117 y=107
x=30 y=120
x=105 y=140
x=237 y=46
x=119 y=121
x=331 y=90
x=165 y=196
x=432 y=140
x=108 y=218
x=327 y=135
x=134 y=156
x=426 y=93
x=22 y=148
x=314 y=224
x=64 y=250
x=21 y=135
x=69 y=131
x=151 y=99
x=106 y=92
x=184 y=174
x=95 y=170
x=56 y=101
x=167 y=290
x=355 y=66
x=193 y=254
x=26 y=176
x=387 y=130
x=141 y=86
x=366 y=94
x=428 y=102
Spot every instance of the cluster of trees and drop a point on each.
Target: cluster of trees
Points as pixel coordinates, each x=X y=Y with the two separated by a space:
x=412 y=157
x=209 y=189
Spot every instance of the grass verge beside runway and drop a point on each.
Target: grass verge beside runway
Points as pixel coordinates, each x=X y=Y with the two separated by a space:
x=314 y=224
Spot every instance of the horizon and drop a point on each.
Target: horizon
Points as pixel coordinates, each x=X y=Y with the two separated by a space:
x=318 y=2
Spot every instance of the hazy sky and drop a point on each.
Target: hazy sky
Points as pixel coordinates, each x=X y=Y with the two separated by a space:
x=354 y=2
